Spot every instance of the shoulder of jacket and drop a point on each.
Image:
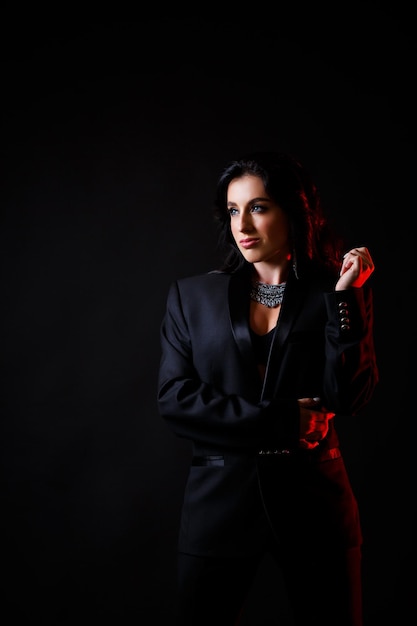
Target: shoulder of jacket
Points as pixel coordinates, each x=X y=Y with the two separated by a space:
x=201 y=278
x=209 y=282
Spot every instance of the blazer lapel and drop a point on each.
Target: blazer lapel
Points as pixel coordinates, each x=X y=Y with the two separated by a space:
x=239 y=313
x=291 y=304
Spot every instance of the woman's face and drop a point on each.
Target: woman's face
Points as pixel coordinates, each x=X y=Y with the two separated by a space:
x=259 y=226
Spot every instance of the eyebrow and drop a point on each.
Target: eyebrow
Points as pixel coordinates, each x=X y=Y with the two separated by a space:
x=253 y=201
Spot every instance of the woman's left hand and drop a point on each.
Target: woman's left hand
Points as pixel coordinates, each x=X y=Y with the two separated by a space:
x=356 y=268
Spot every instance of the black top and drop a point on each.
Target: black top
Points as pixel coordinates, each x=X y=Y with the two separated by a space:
x=261 y=345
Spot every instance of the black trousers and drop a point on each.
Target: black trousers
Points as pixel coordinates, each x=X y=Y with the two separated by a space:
x=323 y=587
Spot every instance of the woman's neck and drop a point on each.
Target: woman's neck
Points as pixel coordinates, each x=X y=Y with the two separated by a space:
x=272 y=274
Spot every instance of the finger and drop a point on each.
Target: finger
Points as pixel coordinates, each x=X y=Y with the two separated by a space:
x=309 y=401
x=357 y=264
x=308 y=445
x=359 y=254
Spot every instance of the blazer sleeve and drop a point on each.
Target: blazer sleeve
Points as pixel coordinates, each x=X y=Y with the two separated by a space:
x=198 y=410
x=351 y=372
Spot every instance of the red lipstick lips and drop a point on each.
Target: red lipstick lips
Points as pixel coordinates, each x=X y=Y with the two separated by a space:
x=248 y=243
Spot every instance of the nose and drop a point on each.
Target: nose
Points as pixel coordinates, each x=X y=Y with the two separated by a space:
x=245 y=223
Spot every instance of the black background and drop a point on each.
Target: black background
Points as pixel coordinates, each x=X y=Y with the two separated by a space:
x=113 y=135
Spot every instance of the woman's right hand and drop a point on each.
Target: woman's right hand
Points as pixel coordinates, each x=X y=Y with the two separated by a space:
x=314 y=422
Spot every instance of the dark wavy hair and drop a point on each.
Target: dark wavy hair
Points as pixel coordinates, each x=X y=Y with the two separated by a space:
x=289 y=184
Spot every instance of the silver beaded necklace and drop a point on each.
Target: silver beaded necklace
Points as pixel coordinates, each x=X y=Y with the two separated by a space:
x=268 y=295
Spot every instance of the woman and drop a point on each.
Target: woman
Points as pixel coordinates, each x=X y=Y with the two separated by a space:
x=257 y=360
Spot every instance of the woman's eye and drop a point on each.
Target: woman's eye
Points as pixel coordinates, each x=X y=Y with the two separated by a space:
x=257 y=208
x=232 y=211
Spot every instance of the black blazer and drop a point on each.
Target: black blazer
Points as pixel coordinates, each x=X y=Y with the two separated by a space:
x=211 y=393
